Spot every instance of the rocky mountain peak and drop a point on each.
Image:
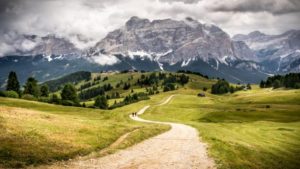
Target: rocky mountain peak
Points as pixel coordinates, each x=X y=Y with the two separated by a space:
x=136 y=22
x=256 y=34
x=170 y=40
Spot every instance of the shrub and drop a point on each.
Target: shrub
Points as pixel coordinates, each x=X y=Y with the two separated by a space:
x=101 y=102
x=55 y=99
x=297 y=86
x=169 y=87
x=13 y=83
x=11 y=94
x=221 y=87
x=29 y=97
x=69 y=93
x=31 y=87
x=67 y=103
x=2 y=94
x=44 y=99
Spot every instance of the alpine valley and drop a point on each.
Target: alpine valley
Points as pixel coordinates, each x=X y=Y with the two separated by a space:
x=157 y=45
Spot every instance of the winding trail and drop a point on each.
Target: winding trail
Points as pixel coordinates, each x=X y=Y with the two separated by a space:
x=178 y=148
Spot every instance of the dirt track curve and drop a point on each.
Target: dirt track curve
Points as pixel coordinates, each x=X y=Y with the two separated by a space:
x=178 y=148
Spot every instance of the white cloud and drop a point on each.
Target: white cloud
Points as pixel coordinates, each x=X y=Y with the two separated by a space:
x=5 y=48
x=27 y=45
x=85 y=22
x=105 y=59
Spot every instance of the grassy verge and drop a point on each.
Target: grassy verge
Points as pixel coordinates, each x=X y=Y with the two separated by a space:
x=242 y=132
x=34 y=133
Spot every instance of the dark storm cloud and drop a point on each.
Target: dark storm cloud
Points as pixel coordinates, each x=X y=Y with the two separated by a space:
x=275 y=7
x=7 y=9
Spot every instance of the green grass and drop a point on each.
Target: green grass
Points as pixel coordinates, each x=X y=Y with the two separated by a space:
x=240 y=131
x=35 y=133
x=259 y=128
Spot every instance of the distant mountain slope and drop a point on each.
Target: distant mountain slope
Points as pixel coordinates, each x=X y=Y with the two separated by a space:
x=76 y=77
x=278 y=53
x=187 y=44
x=159 y=45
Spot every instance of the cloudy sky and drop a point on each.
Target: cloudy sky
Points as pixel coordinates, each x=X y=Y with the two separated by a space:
x=86 y=21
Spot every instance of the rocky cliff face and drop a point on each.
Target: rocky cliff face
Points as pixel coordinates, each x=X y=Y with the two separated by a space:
x=172 y=41
x=278 y=53
x=162 y=45
x=47 y=45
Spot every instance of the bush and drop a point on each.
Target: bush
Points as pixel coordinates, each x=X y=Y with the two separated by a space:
x=2 y=94
x=67 y=103
x=221 y=87
x=297 y=86
x=29 y=97
x=101 y=102
x=169 y=87
x=11 y=94
x=55 y=99
x=69 y=94
x=44 y=99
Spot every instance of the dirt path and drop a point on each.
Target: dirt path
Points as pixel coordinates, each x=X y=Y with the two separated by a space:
x=178 y=148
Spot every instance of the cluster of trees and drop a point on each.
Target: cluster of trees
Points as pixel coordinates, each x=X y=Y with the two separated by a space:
x=76 y=77
x=101 y=102
x=126 y=86
x=131 y=99
x=34 y=91
x=169 y=80
x=86 y=85
x=191 y=72
x=169 y=87
x=222 y=87
x=150 y=80
x=291 y=80
x=68 y=96
x=90 y=84
x=153 y=90
x=93 y=92
x=31 y=89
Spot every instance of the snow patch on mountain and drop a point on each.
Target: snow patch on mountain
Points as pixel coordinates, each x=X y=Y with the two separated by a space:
x=48 y=57
x=185 y=63
x=223 y=60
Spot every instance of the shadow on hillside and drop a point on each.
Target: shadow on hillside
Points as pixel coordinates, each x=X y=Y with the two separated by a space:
x=241 y=116
x=19 y=149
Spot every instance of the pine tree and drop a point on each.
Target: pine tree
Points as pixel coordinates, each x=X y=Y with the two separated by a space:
x=221 y=87
x=101 y=102
x=13 y=83
x=54 y=99
x=249 y=86
x=69 y=93
x=262 y=84
x=44 y=91
x=31 y=87
x=276 y=84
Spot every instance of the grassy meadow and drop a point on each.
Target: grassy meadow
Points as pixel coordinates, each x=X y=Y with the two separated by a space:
x=259 y=128
x=35 y=133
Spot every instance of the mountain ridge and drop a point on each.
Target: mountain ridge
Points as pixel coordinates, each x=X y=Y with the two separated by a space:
x=164 y=44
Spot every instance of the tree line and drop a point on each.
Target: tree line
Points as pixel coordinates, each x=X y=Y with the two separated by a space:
x=291 y=80
x=33 y=91
x=222 y=87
